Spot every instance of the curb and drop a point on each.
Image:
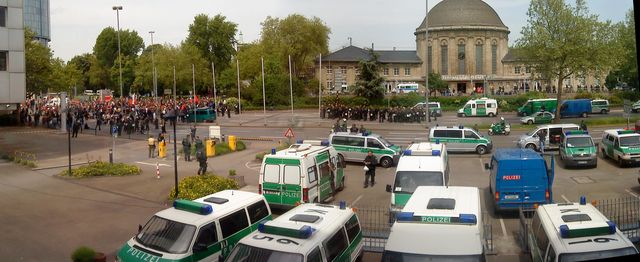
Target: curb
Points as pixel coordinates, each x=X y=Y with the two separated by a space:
x=59 y=166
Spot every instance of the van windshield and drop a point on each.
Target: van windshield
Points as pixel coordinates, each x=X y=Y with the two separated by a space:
x=579 y=142
x=600 y=254
x=166 y=235
x=408 y=181
x=244 y=252
x=390 y=256
x=384 y=142
x=630 y=141
x=532 y=132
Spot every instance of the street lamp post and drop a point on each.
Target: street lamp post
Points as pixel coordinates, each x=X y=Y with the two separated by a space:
x=426 y=50
x=153 y=64
x=117 y=9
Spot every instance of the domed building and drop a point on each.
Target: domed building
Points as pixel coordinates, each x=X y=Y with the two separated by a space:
x=468 y=45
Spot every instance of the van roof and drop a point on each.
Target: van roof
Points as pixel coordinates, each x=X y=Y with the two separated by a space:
x=235 y=200
x=354 y=134
x=297 y=151
x=517 y=154
x=422 y=158
x=328 y=218
x=558 y=125
x=621 y=132
x=585 y=218
x=439 y=238
x=450 y=127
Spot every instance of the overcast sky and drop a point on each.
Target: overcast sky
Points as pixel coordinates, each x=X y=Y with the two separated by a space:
x=75 y=24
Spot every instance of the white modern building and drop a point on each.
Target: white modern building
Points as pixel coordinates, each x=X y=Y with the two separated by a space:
x=12 y=61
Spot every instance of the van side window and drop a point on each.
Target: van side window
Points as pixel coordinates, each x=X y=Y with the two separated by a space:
x=257 y=211
x=315 y=255
x=610 y=137
x=542 y=240
x=207 y=235
x=482 y=106
x=470 y=134
x=440 y=133
x=311 y=172
x=356 y=141
x=454 y=133
x=233 y=223
x=292 y=175
x=374 y=143
x=271 y=173
x=339 y=140
x=616 y=143
x=551 y=255
x=353 y=228
x=325 y=170
x=335 y=245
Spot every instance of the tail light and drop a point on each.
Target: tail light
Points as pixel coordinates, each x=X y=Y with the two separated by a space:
x=259 y=189
x=547 y=195
x=497 y=196
x=305 y=195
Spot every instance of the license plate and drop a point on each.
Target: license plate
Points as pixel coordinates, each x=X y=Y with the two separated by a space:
x=271 y=192
x=582 y=162
x=511 y=197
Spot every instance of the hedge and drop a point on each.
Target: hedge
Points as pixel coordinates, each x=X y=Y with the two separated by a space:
x=198 y=186
x=83 y=254
x=100 y=168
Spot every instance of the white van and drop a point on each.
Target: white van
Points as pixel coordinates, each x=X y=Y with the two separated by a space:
x=422 y=164
x=479 y=107
x=552 y=140
x=575 y=232
x=309 y=232
x=303 y=173
x=352 y=147
x=438 y=223
x=460 y=139
x=205 y=229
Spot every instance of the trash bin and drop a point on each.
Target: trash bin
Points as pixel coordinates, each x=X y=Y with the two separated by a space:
x=162 y=149
x=232 y=143
x=210 y=147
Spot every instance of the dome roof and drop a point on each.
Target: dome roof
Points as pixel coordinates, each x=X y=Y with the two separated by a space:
x=463 y=13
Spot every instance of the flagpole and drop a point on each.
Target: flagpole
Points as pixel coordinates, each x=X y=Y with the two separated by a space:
x=264 y=98
x=291 y=86
x=213 y=74
x=320 y=87
x=195 y=107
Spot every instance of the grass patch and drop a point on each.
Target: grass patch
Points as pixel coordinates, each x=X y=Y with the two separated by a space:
x=260 y=156
x=221 y=148
x=198 y=186
x=20 y=161
x=100 y=168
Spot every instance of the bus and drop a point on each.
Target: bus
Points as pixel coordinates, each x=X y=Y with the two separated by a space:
x=407 y=88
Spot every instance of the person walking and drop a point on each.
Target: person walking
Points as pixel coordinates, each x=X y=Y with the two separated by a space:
x=583 y=125
x=193 y=132
x=542 y=137
x=199 y=145
x=186 y=148
x=152 y=146
x=202 y=160
x=76 y=128
x=370 y=163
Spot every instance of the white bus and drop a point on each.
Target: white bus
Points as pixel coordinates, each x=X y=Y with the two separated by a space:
x=407 y=88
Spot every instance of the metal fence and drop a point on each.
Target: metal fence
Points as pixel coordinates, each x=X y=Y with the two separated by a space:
x=525 y=216
x=625 y=212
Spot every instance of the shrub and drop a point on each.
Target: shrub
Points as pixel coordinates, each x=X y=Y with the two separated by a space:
x=100 y=168
x=83 y=254
x=232 y=172
x=199 y=186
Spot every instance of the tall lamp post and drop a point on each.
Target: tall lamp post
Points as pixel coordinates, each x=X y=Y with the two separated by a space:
x=426 y=50
x=117 y=9
x=153 y=65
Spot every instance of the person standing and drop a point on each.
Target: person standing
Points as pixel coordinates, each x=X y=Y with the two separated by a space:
x=199 y=145
x=542 y=137
x=370 y=163
x=152 y=146
x=186 y=148
x=583 y=125
x=193 y=132
x=202 y=160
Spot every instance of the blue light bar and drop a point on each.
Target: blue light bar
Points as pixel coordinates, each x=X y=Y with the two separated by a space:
x=435 y=152
x=583 y=200
x=461 y=127
x=324 y=143
x=404 y=216
x=407 y=152
x=612 y=227
x=564 y=231
x=468 y=219
x=303 y=232
x=343 y=204
x=192 y=206
x=273 y=151
x=299 y=141
x=437 y=141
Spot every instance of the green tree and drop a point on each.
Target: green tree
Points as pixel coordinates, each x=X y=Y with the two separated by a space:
x=436 y=84
x=37 y=64
x=627 y=72
x=561 y=40
x=369 y=82
x=82 y=63
x=106 y=47
x=214 y=38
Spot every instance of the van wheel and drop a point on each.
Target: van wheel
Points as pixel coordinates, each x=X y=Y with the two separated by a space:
x=531 y=146
x=386 y=162
x=481 y=150
x=603 y=111
x=584 y=115
x=341 y=160
x=492 y=114
x=620 y=162
x=490 y=132
x=341 y=186
x=530 y=122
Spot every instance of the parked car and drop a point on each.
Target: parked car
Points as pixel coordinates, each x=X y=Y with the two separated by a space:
x=538 y=118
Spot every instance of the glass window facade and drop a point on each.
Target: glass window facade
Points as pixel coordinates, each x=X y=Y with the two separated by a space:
x=444 y=60
x=3 y=16
x=494 y=59
x=3 y=60
x=407 y=71
x=461 y=59
x=36 y=18
x=396 y=71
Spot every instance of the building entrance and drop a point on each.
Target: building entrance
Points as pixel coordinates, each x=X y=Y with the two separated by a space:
x=461 y=88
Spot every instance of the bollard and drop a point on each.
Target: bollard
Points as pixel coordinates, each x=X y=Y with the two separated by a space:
x=110 y=156
x=232 y=143
x=210 y=147
x=162 y=149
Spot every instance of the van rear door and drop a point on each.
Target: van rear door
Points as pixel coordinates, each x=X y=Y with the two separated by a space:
x=509 y=183
x=271 y=181
x=534 y=181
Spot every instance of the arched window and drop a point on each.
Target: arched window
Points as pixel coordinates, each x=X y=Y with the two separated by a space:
x=479 y=57
x=461 y=57
x=494 y=57
x=444 y=58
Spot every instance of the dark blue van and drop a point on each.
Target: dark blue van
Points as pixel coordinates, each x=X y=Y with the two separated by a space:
x=575 y=108
x=519 y=178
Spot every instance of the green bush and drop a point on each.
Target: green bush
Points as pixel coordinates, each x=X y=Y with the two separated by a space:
x=232 y=172
x=260 y=156
x=199 y=186
x=83 y=254
x=100 y=168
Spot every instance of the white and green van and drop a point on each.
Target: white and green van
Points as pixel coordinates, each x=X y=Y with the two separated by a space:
x=307 y=233
x=623 y=146
x=599 y=106
x=479 y=107
x=460 y=139
x=303 y=173
x=577 y=149
x=575 y=232
x=205 y=229
x=422 y=164
x=354 y=147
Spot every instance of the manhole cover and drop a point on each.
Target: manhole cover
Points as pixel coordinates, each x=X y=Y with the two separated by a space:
x=582 y=179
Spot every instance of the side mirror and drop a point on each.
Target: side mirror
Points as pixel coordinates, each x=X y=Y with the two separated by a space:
x=389 y=188
x=139 y=228
x=487 y=166
x=199 y=247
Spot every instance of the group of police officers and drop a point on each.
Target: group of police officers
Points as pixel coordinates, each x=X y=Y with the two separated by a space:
x=366 y=113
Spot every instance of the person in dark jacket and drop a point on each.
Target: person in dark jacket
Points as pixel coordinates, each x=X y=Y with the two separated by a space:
x=370 y=163
x=186 y=148
x=202 y=160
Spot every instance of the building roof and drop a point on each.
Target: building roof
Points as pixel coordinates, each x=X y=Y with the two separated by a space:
x=356 y=54
x=463 y=13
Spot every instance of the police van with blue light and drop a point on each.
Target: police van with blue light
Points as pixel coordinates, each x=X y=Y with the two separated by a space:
x=578 y=149
x=353 y=147
x=438 y=223
x=421 y=164
x=309 y=232
x=205 y=229
x=461 y=139
x=576 y=232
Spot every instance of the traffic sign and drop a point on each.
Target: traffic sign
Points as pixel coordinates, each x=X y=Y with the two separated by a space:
x=289 y=133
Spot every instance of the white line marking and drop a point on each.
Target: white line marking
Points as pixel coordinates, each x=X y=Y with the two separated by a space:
x=633 y=194
x=356 y=201
x=408 y=133
x=151 y=164
x=252 y=167
x=504 y=228
x=482 y=166
x=565 y=198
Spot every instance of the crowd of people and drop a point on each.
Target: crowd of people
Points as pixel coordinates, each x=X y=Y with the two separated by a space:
x=365 y=113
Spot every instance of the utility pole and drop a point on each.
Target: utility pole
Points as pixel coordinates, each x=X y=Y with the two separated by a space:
x=291 y=87
x=320 y=87
x=117 y=9
x=153 y=64
x=426 y=50
x=264 y=98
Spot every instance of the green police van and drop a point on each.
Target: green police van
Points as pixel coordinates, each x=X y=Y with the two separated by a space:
x=537 y=105
x=600 y=106
x=460 y=139
x=354 y=147
x=479 y=107
x=623 y=146
x=306 y=172
x=577 y=149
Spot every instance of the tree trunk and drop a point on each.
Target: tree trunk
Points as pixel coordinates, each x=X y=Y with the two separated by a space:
x=559 y=97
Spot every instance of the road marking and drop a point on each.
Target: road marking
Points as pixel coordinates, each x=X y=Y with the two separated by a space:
x=504 y=228
x=152 y=164
x=633 y=194
x=565 y=198
x=408 y=133
x=356 y=201
x=482 y=165
x=252 y=167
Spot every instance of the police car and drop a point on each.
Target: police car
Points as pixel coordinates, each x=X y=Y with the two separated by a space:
x=575 y=232
x=461 y=139
x=438 y=223
x=204 y=229
x=577 y=149
x=422 y=164
x=355 y=146
x=309 y=232
x=623 y=146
